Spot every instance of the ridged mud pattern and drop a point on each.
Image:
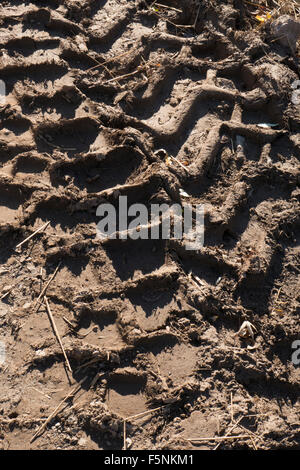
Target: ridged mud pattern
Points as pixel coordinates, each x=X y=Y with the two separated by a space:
x=74 y=135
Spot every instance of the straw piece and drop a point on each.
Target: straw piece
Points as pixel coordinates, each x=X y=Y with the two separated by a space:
x=199 y=439
x=38 y=301
x=124 y=435
x=54 y=413
x=146 y=412
x=33 y=234
x=56 y=333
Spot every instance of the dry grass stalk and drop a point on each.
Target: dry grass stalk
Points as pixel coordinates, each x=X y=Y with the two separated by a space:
x=43 y=292
x=222 y=438
x=139 y=415
x=6 y=294
x=54 y=413
x=101 y=64
x=92 y=361
x=277 y=7
x=124 y=435
x=40 y=229
x=56 y=333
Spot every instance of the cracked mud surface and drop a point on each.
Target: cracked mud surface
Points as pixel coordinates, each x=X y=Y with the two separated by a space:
x=73 y=137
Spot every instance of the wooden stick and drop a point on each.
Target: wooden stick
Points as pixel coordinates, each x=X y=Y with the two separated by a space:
x=96 y=378
x=69 y=324
x=41 y=281
x=103 y=65
x=124 y=435
x=92 y=361
x=6 y=294
x=121 y=77
x=33 y=234
x=229 y=431
x=146 y=412
x=196 y=19
x=42 y=393
x=179 y=163
x=253 y=443
x=54 y=413
x=56 y=333
x=109 y=60
x=73 y=330
x=166 y=6
x=38 y=301
x=55 y=146
x=181 y=26
x=199 y=439
x=249 y=431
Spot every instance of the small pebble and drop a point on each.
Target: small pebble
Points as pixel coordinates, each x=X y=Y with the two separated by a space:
x=82 y=441
x=6 y=289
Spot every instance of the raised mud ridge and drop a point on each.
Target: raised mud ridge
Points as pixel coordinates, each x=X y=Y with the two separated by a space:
x=75 y=134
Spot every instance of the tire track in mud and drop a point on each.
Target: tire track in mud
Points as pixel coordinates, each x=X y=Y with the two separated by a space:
x=74 y=135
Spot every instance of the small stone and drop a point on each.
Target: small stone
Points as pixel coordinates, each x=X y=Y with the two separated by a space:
x=83 y=47
x=287 y=30
x=82 y=442
x=128 y=442
x=6 y=289
x=40 y=353
x=136 y=331
x=204 y=386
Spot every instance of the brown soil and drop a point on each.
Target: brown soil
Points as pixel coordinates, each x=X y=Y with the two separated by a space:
x=71 y=138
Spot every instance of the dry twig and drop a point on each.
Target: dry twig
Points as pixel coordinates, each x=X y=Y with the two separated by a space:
x=56 y=333
x=222 y=438
x=43 y=292
x=33 y=234
x=124 y=435
x=54 y=413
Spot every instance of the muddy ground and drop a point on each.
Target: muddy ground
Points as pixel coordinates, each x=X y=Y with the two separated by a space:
x=148 y=324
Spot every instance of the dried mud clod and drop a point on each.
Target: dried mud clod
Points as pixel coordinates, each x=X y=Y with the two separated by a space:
x=165 y=102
